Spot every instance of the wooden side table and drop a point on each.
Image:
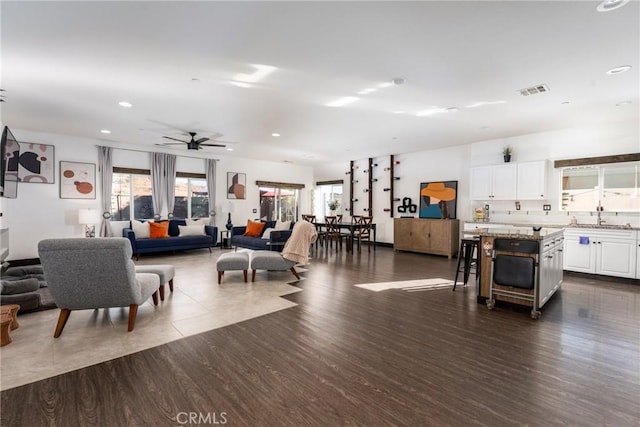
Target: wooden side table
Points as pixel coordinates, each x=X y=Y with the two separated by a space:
x=12 y=311
x=5 y=325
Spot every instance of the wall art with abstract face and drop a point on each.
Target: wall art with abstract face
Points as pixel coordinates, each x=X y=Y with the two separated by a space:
x=438 y=199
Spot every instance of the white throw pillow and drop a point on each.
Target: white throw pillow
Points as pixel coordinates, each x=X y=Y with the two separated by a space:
x=267 y=233
x=199 y=221
x=283 y=225
x=192 y=230
x=141 y=229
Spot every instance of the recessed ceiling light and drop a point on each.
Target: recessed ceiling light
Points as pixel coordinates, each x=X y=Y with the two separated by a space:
x=609 y=5
x=229 y=149
x=367 y=91
x=618 y=70
x=125 y=104
x=105 y=131
x=340 y=102
x=620 y=104
x=195 y=79
x=385 y=84
x=565 y=103
x=275 y=134
x=240 y=84
x=452 y=109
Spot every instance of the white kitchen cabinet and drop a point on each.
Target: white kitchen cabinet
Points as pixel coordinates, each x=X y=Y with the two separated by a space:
x=617 y=257
x=602 y=251
x=638 y=257
x=497 y=182
x=531 y=180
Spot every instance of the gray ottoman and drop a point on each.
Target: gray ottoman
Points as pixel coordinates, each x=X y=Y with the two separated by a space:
x=270 y=260
x=232 y=261
x=166 y=273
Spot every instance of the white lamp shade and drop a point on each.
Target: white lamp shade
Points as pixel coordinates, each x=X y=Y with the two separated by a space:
x=88 y=216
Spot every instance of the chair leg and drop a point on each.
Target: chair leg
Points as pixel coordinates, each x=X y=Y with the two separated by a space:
x=253 y=275
x=460 y=256
x=244 y=272
x=62 y=321
x=133 y=312
x=171 y=285
x=155 y=298
x=220 y=273
x=161 y=289
x=295 y=273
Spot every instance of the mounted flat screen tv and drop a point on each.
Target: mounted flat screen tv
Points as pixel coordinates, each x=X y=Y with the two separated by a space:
x=10 y=152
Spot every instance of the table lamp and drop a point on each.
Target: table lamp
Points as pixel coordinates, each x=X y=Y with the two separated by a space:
x=88 y=218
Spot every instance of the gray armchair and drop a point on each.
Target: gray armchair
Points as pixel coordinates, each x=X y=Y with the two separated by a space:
x=94 y=273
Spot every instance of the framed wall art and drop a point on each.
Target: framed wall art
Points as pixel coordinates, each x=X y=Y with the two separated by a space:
x=77 y=180
x=438 y=199
x=36 y=163
x=236 y=185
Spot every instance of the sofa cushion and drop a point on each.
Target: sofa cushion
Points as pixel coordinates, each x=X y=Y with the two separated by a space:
x=141 y=229
x=191 y=230
x=173 y=226
x=198 y=221
x=266 y=234
x=20 y=286
x=282 y=225
x=158 y=230
x=254 y=229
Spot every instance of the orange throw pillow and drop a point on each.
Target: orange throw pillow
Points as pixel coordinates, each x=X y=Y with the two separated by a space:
x=254 y=229
x=158 y=230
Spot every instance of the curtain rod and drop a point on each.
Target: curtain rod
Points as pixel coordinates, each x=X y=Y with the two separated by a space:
x=146 y=151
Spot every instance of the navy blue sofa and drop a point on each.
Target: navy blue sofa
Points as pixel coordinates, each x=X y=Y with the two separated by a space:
x=275 y=242
x=174 y=242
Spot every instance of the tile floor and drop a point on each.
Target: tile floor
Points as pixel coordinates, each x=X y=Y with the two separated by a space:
x=198 y=304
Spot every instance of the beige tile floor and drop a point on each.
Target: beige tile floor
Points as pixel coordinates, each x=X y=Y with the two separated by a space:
x=198 y=304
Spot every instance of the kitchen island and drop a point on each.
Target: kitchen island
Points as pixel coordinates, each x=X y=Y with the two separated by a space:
x=547 y=260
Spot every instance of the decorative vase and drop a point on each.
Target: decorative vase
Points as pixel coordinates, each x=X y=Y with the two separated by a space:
x=229 y=224
x=507 y=158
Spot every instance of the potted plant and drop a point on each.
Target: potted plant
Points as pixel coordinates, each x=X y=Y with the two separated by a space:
x=506 y=152
x=333 y=205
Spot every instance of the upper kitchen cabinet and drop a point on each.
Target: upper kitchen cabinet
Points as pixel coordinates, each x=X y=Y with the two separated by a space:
x=532 y=180
x=497 y=182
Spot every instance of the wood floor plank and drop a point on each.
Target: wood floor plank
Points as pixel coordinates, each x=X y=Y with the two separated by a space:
x=348 y=356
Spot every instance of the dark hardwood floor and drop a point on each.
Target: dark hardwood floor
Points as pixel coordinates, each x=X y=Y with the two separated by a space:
x=349 y=356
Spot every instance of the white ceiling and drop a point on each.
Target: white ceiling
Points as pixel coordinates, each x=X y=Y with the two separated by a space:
x=65 y=66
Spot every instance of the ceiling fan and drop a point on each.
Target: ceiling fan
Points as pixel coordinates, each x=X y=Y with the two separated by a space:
x=194 y=144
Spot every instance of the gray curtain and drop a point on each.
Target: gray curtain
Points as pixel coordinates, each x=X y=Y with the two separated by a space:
x=210 y=166
x=170 y=173
x=158 y=187
x=105 y=167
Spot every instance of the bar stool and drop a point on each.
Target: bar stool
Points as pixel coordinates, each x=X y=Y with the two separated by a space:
x=469 y=249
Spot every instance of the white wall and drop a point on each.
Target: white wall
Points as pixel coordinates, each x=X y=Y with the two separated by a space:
x=39 y=213
x=453 y=163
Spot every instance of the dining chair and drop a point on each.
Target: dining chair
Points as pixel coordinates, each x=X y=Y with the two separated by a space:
x=321 y=233
x=363 y=232
x=333 y=233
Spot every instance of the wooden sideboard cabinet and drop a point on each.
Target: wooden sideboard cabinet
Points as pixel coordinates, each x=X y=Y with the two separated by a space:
x=429 y=236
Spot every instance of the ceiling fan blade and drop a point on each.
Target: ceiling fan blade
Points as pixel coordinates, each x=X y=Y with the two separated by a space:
x=164 y=144
x=201 y=140
x=176 y=139
x=213 y=145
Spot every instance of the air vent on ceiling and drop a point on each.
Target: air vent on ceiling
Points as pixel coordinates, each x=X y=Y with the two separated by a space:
x=534 y=89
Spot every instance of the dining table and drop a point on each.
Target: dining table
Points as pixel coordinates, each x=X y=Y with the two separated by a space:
x=349 y=226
